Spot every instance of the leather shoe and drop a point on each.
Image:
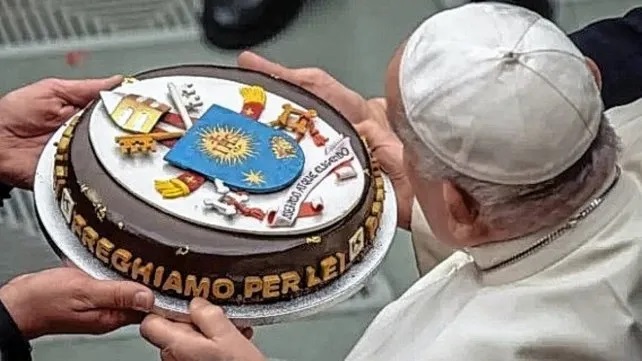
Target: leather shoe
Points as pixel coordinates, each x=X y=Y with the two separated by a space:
x=238 y=24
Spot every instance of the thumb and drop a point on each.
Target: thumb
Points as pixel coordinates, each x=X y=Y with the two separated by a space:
x=80 y=92
x=369 y=130
x=119 y=295
x=210 y=319
x=65 y=113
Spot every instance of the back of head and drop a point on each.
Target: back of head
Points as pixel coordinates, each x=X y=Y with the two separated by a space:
x=499 y=94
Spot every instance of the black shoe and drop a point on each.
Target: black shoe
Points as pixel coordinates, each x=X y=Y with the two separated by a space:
x=238 y=24
x=545 y=8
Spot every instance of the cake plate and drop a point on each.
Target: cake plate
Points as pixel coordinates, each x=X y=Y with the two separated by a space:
x=67 y=246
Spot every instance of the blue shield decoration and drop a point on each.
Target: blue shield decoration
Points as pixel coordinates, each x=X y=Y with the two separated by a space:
x=243 y=153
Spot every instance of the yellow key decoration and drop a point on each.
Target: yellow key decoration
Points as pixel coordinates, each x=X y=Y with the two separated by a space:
x=143 y=143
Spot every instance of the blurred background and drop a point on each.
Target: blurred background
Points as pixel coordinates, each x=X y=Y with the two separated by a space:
x=351 y=39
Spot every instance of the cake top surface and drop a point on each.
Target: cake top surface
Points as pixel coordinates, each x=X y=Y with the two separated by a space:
x=237 y=141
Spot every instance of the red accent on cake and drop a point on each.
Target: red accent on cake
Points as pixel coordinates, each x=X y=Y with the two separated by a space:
x=245 y=210
x=192 y=180
x=318 y=138
x=310 y=209
x=252 y=110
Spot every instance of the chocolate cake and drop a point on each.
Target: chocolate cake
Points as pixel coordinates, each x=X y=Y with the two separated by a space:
x=216 y=182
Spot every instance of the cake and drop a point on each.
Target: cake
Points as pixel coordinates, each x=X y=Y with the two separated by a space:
x=216 y=182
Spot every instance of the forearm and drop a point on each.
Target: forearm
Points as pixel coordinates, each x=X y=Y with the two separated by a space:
x=616 y=47
x=13 y=346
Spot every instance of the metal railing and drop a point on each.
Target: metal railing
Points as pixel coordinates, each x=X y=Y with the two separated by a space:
x=43 y=24
x=19 y=213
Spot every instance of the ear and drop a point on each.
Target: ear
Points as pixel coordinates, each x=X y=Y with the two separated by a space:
x=463 y=212
x=595 y=70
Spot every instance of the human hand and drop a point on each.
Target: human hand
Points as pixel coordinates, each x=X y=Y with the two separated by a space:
x=388 y=150
x=66 y=300
x=30 y=115
x=369 y=117
x=318 y=82
x=212 y=337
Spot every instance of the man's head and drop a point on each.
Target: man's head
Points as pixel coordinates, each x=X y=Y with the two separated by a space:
x=502 y=124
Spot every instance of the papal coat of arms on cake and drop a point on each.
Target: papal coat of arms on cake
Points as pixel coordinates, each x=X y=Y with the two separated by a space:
x=239 y=154
x=246 y=156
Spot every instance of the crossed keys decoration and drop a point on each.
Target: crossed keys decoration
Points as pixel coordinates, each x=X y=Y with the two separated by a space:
x=228 y=149
x=300 y=122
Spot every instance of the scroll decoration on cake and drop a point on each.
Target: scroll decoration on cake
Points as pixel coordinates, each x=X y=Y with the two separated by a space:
x=285 y=216
x=343 y=171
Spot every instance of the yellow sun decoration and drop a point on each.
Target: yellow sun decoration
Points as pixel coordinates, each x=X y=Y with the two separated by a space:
x=226 y=145
x=254 y=177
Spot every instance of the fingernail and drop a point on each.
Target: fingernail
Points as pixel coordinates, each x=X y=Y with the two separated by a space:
x=143 y=301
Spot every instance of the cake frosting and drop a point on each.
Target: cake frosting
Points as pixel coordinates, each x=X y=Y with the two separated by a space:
x=215 y=182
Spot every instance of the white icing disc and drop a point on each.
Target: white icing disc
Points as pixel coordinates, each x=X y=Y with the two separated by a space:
x=137 y=173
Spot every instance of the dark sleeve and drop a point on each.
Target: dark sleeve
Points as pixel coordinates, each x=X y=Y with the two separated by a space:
x=616 y=46
x=4 y=193
x=13 y=347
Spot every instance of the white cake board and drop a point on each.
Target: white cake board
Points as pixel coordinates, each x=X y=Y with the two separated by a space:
x=68 y=247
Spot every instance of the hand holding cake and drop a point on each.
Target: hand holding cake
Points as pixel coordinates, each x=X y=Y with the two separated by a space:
x=66 y=300
x=211 y=336
x=30 y=115
x=369 y=117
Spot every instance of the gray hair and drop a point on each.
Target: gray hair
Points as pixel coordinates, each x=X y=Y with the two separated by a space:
x=521 y=209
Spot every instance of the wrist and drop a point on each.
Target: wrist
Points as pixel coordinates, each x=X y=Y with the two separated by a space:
x=19 y=311
x=13 y=344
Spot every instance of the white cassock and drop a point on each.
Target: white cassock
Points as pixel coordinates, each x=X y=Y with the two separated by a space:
x=578 y=297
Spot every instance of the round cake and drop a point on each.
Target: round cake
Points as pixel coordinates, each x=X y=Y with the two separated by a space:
x=216 y=182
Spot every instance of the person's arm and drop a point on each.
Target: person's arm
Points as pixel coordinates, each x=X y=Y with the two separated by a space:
x=616 y=47
x=13 y=345
x=30 y=115
x=212 y=336
x=65 y=301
